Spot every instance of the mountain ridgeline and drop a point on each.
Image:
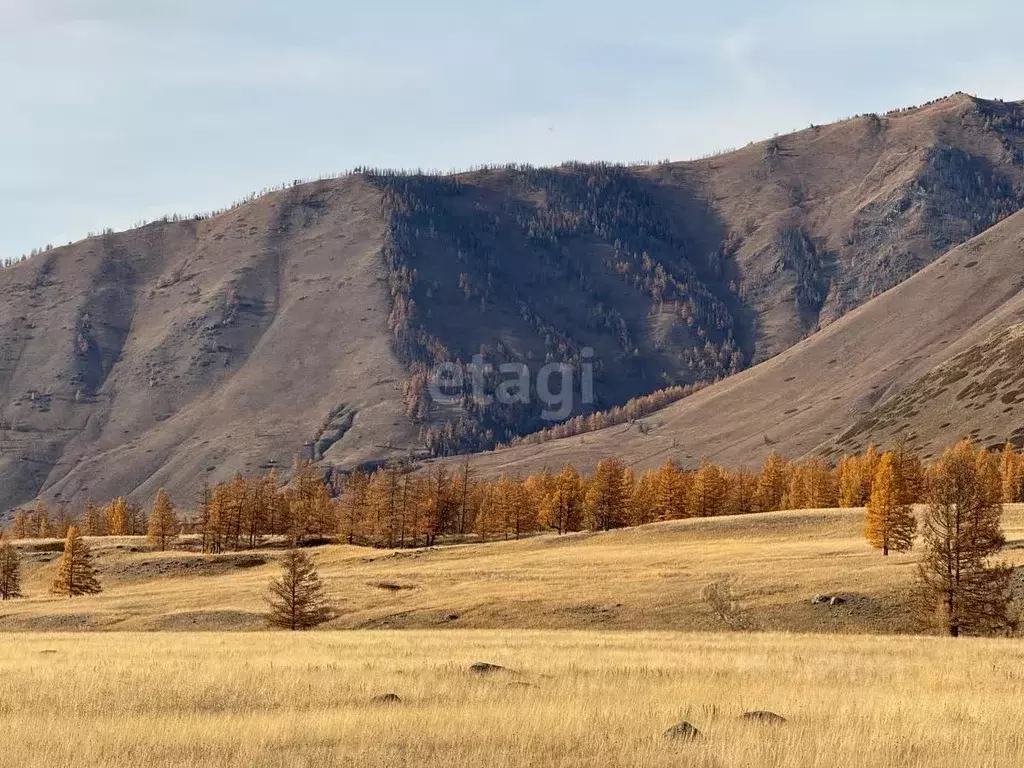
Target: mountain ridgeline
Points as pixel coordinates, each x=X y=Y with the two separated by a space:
x=309 y=319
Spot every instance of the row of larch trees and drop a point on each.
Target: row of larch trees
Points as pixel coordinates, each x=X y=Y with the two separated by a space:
x=963 y=493
x=400 y=505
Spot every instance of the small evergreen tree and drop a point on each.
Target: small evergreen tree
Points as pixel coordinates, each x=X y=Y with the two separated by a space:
x=10 y=571
x=163 y=522
x=75 y=573
x=297 y=600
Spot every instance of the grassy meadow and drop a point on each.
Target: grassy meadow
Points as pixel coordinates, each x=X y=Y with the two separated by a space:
x=647 y=578
x=567 y=698
x=605 y=638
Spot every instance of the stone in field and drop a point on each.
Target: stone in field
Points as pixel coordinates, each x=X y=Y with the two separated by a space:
x=763 y=716
x=682 y=732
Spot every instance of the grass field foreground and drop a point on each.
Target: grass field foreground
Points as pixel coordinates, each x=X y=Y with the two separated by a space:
x=566 y=698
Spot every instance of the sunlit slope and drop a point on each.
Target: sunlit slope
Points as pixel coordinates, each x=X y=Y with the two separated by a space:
x=820 y=396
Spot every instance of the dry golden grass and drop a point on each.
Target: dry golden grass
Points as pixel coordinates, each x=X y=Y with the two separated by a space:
x=589 y=695
x=569 y=699
x=647 y=578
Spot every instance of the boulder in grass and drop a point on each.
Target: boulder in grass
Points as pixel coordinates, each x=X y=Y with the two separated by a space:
x=682 y=731
x=763 y=716
x=484 y=668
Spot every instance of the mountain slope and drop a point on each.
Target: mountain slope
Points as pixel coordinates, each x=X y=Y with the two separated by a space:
x=189 y=350
x=935 y=358
x=687 y=272
x=308 y=320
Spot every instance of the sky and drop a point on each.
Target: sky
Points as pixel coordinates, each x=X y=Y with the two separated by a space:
x=116 y=111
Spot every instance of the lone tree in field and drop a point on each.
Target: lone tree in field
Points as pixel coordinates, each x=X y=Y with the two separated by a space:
x=297 y=599
x=890 y=522
x=10 y=571
x=75 y=574
x=961 y=533
x=163 y=522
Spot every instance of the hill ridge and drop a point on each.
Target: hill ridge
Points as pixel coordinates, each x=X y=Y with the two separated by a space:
x=308 y=320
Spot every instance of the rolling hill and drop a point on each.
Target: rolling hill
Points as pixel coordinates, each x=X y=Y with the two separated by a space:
x=650 y=578
x=307 y=320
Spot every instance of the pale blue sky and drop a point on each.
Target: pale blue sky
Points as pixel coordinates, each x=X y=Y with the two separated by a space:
x=119 y=110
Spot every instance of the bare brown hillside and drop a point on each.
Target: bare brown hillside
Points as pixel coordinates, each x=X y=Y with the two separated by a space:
x=309 y=318
x=180 y=352
x=936 y=358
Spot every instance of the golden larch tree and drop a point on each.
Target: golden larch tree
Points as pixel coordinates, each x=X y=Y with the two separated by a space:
x=813 y=485
x=297 y=599
x=709 y=491
x=772 y=483
x=890 y=523
x=117 y=514
x=163 y=522
x=352 y=513
x=504 y=504
x=849 y=481
x=465 y=496
x=541 y=489
x=41 y=524
x=606 y=496
x=257 y=508
x=564 y=508
x=308 y=501
x=643 y=506
x=911 y=471
x=673 y=489
x=520 y=512
x=440 y=504
x=20 y=525
x=75 y=573
x=412 y=509
x=94 y=521
x=961 y=586
x=383 y=497
x=279 y=513
x=1012 y=475
x=868 y=467
x=10 y=570
x=204 y=500
x=742 y=498
x=62 y=521
x=487 y=522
